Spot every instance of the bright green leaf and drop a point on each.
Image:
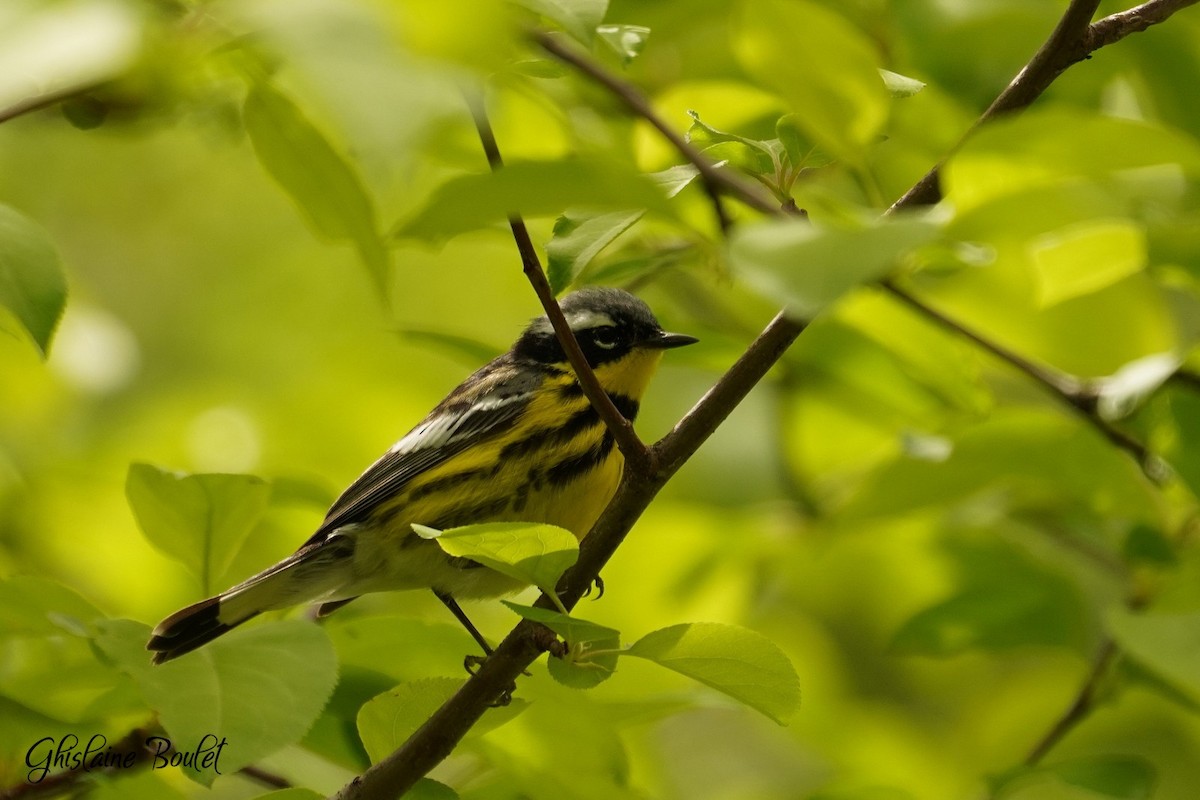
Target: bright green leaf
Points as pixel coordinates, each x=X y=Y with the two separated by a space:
x=532 y=189
x=825 y=69
x=755 y=156
x=1125 y=390
x=1026 y=151
x=580 y=18
x=1166 y=644
x=742 y=663
x=673 y=180
x=31 y=605
x=318 y=178
x=386 y=721
x=801 y=152
x=626 y=41
x=259 y=688
x=199 y=520
x=1086 y=257
x=529 y=552
x=900 y=85
x=811 y=266
x=577 y=670
x=578 y=237
x=32 y=285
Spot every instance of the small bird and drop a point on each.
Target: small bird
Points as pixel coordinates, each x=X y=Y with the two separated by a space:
x=517 y=441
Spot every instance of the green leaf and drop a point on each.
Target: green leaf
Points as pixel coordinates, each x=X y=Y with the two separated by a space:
x=900 y=85
x=1147 y=545
x=386 y=721
x=199 y=520
x=825 y=69
x=579 y=18
x=1007 y=600
x=1125 y=390
x=578 y=237
x=674 y=180
x=470 y=351
x=258 y=688
x=578 y=669
x=813 y=265
x=528 y=552
x=317 y=178
x=801 y=152
x=1116 y=777
x=532 y=189
x=755 y=156
x=31 y=605
x=626 y=41
x=32 y=285
x=1166 y=644
x=742 y=663
x=1086 y=258
x=1026 y=151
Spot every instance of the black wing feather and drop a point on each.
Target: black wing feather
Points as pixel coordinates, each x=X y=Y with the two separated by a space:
x=485 y=403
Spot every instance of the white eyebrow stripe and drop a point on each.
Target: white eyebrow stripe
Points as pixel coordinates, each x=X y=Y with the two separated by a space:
x=585 y=319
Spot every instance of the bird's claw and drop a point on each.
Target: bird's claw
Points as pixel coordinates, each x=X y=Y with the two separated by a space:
x=598 y=583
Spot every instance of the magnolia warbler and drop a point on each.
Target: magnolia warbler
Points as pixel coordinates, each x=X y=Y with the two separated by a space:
x=516 y=441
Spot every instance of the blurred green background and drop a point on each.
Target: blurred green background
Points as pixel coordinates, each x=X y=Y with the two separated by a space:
x=938 y=545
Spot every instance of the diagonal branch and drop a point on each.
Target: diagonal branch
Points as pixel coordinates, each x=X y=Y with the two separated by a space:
x=627 y=440
x=715 y=177
x=1072 y=41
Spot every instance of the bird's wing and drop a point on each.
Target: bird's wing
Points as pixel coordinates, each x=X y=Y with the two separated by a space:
x=485 y=403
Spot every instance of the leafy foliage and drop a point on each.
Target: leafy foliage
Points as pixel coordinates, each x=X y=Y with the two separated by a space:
x=940 y=544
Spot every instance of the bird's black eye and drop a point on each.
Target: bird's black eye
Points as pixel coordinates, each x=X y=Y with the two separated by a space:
x=605 y=337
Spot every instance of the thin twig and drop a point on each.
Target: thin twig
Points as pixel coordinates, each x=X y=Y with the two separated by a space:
x=1079 y=709
x=1080 y=396
x=1072 y=41
x=622 y=431
x=265 y=777
x=717 y=178
x=41 y=101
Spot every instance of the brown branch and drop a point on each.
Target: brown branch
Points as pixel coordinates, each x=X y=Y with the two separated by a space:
x=1072 y=41
x=627 y=440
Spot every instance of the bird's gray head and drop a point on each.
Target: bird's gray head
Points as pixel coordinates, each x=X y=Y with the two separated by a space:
x=608 y=323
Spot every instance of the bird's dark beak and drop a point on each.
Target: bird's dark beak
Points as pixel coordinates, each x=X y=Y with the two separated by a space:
x=667 y=341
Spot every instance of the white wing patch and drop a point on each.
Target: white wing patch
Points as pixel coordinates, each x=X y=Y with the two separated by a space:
x=445 y=429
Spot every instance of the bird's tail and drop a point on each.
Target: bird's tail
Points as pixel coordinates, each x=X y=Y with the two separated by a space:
x=305 y=575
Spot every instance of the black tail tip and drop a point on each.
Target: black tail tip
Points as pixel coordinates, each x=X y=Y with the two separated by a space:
x=187 y=629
